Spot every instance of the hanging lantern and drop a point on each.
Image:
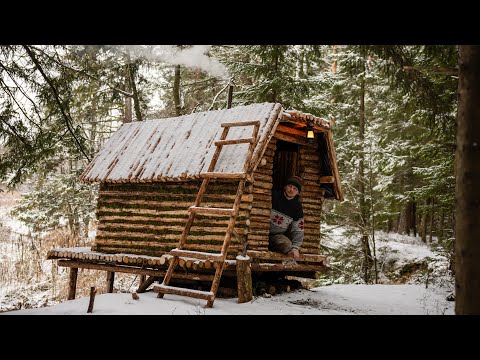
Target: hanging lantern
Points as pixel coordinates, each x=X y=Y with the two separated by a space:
x=310 y=134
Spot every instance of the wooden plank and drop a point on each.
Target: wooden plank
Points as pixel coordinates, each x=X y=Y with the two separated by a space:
x=207 y=210
x=165 y=289
x=196 y=254
x=289 y=130
x=234 y=141
x=284 y=267
x=131 y=270
x=220 y=175
x=240 y=123
x=269 y=255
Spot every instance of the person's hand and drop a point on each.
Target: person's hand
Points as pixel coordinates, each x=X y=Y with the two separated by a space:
x=295 y=254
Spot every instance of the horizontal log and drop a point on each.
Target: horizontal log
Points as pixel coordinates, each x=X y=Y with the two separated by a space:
x=263 y=178
x=315 y=177
x=149 y=194
x=112 y=245
x=262 y=184
x=327 y=179
x=240 y=123
x=137 y=238
x=257 y=211
x=132 y=270
x=312 y=157
x=214 y=227
x=269 y=255
x=289 y=138
x=311 y=168
x=258 y=190
x=311 y=247
x=112 y=220
x=263 y=170
x=174 y=204
x=283 y=267
x=141 y=211
x=292 y=131
x=261 y=197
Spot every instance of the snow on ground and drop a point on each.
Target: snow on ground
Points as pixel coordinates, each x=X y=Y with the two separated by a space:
x=327 y=300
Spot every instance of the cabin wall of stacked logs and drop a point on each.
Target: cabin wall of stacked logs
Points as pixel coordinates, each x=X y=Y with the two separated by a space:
x=149 y=218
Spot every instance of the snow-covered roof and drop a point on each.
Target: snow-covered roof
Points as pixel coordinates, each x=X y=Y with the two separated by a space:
x=180 y=148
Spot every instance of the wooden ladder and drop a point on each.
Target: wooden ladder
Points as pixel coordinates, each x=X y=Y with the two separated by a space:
x=217 y=258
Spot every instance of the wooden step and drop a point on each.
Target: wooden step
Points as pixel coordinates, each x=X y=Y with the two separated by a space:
x=197 y=254
x=235 y=141
x=209 y=210
x=165 y=289
x=219 y=175
x=241 y=123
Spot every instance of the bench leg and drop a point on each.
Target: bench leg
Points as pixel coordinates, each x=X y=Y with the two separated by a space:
x=72 y=284
x=110 y=280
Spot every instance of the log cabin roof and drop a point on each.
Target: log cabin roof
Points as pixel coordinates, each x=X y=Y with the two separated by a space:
x=180 y=148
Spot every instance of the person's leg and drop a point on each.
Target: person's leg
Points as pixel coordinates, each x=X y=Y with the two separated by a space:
x=279 y=243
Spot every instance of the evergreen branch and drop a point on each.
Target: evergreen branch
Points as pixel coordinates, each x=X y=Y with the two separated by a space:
x=12 y=129
x=12 y=96
x=57 y=98
x=83 y=72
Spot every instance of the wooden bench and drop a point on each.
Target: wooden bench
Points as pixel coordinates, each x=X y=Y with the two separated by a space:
x=155 y=267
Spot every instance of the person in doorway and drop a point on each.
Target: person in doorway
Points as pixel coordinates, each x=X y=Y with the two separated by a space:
x=286 y=219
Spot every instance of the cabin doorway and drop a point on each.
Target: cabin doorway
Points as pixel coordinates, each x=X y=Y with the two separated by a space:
x=285 y=163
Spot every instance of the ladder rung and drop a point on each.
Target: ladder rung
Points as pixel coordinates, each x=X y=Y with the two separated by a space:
x=208 y=210
x=235 y=141
x=241 y=123
x=165 y=289
x=223 y=175
x=197 y=254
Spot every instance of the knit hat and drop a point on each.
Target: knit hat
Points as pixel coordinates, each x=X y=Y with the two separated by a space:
x=296 y=181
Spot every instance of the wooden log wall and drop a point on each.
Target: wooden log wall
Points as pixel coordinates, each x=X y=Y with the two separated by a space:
x=262 y=200
x=149 y=218
x=311 y=197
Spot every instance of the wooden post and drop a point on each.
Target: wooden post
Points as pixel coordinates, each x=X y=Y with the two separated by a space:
x=72 y=284
x=244 y=279
x=110 y=280
x=230 y=94
x=92 y=299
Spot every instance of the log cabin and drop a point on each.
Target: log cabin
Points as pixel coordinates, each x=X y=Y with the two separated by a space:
x=151 y=173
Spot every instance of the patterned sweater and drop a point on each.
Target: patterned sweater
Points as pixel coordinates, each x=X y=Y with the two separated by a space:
x=287 y=218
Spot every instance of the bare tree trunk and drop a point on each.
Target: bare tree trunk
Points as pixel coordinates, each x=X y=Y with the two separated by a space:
x=441 y=234
x=467 y=191
x=133 y=86
x=128 y=100
x=128 y=109
x=414 y=217
x=423 y=224
x=176 y=91
x=361 y=188
x=432 y=209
